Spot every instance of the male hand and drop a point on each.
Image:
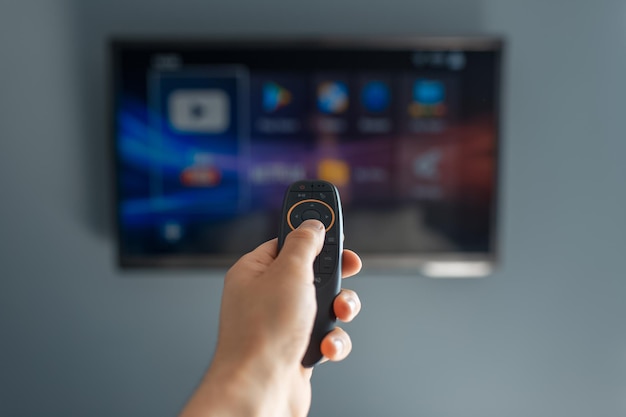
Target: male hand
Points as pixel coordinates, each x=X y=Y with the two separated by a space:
x=266 y=319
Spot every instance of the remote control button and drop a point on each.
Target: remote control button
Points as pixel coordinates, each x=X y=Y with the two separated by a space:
x=321 y=279
x=326 y=215
x=301 y=195
x=327 y=219
x=322 y=196
x=296 y=219
x=328 y=259
x=302 y=186
x=311 y=214
x=330 y=239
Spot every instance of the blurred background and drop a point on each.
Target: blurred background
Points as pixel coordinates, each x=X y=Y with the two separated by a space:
x=544 y=335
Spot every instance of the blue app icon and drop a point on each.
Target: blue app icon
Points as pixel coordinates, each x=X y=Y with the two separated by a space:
x=375 y=96
x=332 y=97
x=428 y=92
x=429 y=98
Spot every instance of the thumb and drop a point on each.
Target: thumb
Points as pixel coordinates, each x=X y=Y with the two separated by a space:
x=301 y=247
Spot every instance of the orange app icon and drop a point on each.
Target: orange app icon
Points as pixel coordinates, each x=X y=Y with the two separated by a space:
x=200 y=177
x=335 y=171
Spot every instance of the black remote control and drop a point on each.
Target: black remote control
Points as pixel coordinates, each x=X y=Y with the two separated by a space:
x=316 y=199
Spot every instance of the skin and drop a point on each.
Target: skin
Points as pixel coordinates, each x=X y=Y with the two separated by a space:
x=267 y=313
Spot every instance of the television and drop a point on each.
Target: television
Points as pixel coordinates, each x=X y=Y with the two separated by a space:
x=207 y=134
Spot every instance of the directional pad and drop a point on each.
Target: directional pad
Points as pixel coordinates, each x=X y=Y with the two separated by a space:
x=311 y=209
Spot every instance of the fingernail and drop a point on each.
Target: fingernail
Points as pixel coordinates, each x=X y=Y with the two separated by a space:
x=338 y=343
x=352 y=303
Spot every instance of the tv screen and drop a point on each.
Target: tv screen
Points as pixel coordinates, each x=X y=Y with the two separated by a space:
x=208 y=134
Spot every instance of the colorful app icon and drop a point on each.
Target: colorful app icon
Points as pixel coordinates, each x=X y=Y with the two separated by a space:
x=332 y=97
x=199 y=111
x=275 y=97
x=428 y=99
x=335 y=171
x=375 y=96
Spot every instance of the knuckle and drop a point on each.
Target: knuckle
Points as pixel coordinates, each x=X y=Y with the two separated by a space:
x=302 y=234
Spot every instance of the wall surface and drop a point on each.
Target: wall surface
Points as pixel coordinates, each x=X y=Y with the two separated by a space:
x=544 y=336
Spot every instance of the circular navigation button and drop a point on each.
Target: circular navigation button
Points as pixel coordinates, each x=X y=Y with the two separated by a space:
x=311 y=209
x=311 y=214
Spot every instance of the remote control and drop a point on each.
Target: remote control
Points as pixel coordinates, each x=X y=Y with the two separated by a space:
x=316 y=199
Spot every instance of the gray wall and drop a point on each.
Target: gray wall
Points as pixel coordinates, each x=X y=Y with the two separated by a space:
x=544 y=336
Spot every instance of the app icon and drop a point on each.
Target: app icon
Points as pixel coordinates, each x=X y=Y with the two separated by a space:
x=275 y=97
x=172 y=231
x=428 y=99
x=375 y=96
x=200 y=176
x=199 y=111
x=426 y=166
x=332 y=97
x=335 y=171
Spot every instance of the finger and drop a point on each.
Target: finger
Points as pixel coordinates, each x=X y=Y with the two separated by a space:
x=347 y=305
x=336 y=345
x=350 y=264
x=300 y=249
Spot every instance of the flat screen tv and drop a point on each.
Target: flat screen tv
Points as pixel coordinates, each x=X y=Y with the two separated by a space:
x=208 y=134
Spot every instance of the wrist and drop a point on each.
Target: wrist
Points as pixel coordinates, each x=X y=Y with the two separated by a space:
x=250 y=383
x=250 y=387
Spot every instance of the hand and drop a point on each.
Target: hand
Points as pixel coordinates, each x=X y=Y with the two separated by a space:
x=268 y=309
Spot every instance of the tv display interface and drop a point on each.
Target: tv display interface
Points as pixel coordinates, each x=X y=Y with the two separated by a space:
x=207 y=135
